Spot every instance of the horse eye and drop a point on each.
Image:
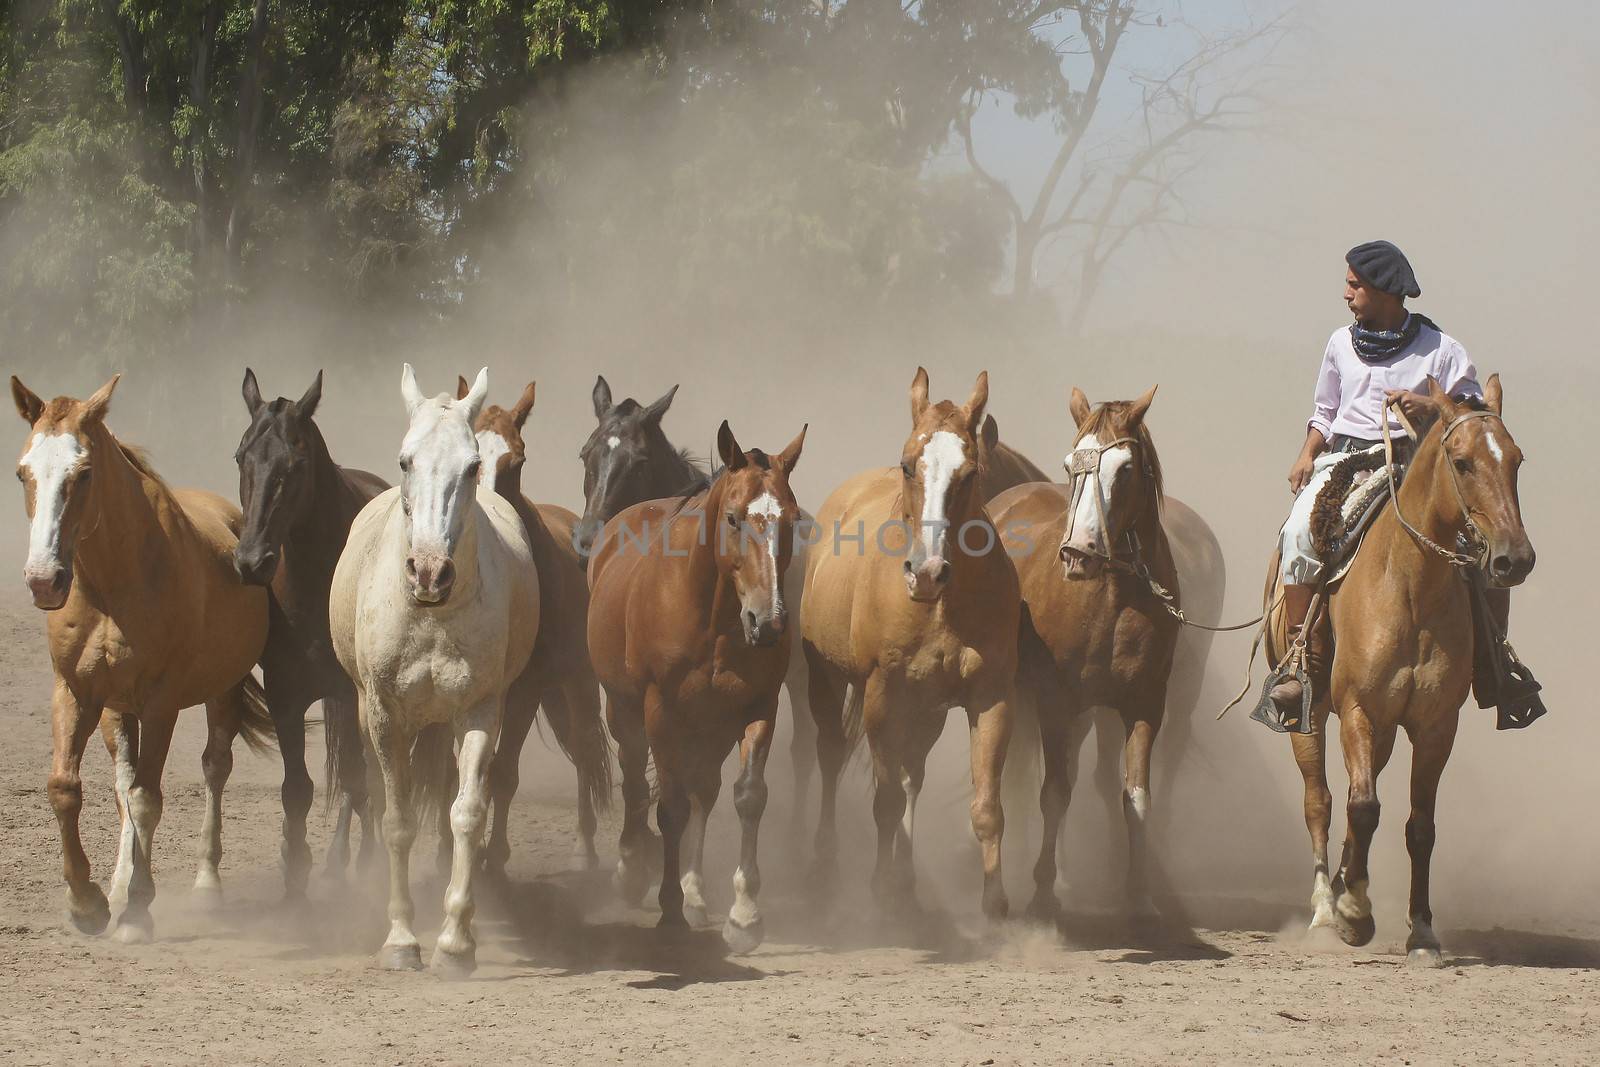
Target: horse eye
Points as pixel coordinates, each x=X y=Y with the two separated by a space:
x=733 y=522
x=909 y=469
x=21 y=477
x=1464 y=466
x=473 y=468
x=405 y=465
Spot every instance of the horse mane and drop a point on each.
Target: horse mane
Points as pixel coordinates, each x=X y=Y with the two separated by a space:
x=712 y=477
x=1111 y=418
x=139 y=458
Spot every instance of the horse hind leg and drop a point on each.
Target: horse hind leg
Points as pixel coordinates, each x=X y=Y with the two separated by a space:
x=824 y=698
x=223 y=716
x=134 y=925
x=289 y=723
x=1141 y=729
x=1430 y=752
x=1055 y=793
x=634 y=846
x=803 y=745
x=1310 y=754
x=1365 y=752
x=347 y=776
x=456 y=952
x=505 y=771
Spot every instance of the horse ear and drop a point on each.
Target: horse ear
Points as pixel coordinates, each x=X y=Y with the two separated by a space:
x=655 y=411
x=519 y=413
x=1079 y=406
x=977 y=402
x=1492 y=395
x=408 y=389
x=29 y=406
x=95 y=408
x=252 y=391
x=728 y=448
x=1137 y=412
x=990 y=437
x=1448 y=408
x=463 y=387
x=313 y=396
x=791 y=452
x=919 y=395
x=473 y=401
x=602 y=397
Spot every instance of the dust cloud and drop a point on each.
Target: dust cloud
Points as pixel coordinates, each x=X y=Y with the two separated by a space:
x=1428 y=124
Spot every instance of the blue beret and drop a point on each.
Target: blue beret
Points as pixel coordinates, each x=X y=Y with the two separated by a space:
x=1384 y=267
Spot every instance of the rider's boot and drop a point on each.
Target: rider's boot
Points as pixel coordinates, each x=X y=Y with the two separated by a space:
x=1499 y=679
x=1288 y=695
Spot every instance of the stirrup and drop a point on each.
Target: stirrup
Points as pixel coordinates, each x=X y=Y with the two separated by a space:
x=1518 y=705
x=1266 y=711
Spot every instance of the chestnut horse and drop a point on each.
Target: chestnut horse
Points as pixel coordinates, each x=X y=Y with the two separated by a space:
x=146 y=618
x=918 y=616
x=1403 y=652
x=434 y=612
x=298 y=506
x=687 y=631
x=558 y=676
x=1094 y=635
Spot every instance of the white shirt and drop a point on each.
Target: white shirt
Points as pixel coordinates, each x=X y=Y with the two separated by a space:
x=1350 y=390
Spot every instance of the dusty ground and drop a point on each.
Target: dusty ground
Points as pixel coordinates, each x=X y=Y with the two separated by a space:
x=568 y=975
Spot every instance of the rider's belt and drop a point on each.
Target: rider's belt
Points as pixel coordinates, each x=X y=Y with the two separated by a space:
x=1403 y=446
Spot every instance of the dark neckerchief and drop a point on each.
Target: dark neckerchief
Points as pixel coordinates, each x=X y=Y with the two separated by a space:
x=1374 y=346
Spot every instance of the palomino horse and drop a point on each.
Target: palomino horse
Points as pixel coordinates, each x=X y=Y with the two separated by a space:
x=1403 y=652
x=919 y=618
x=688 y=637
x=628 y=460
x=1094 y=635
x=434 y=612
x=146 y=617
x=298 y=507
x=558 y=676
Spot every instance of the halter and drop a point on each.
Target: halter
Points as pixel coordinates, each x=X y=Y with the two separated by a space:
x=1473 y=538
x=1080 y=464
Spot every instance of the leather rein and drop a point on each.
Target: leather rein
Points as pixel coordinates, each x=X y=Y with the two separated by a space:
x=1472 y=538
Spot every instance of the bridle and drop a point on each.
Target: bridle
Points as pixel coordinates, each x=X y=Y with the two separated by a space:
x=1083 y=468
x=1472 y=539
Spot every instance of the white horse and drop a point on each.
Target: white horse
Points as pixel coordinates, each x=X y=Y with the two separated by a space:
x=434 y=611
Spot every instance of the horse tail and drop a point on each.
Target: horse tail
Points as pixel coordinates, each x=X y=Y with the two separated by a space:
x=253 y=719
x=341 y=730
x=855 y=726
x=433 y=768
x=581 y=735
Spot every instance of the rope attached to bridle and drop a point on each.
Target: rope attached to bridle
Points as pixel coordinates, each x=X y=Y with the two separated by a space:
x=1474 y=538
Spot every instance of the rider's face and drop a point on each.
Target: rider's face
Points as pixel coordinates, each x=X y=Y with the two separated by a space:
x=1366 y=303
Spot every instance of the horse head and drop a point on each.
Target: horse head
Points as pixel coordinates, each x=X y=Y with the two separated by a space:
x=1484 y=460
x=1114 y=475
x=500 y=444
x=277 y=476
x=55 y=471
x=941 y=476
x=439 y=467
x=623 y=460
x=755 y=513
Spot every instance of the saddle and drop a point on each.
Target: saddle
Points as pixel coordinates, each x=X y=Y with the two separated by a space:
x=1345 y=509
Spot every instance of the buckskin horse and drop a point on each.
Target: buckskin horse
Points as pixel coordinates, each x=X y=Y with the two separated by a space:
x=1403 y=651
x=146 y=617
x=920 y=617
x=558 y=676
x=1093 y=634
x=688 y=634
x=434 y=612
x=298 y=506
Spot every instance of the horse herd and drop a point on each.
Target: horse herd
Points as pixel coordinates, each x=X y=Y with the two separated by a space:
x=434 y=618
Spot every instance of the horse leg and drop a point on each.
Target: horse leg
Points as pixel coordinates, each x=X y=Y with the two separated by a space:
x=633 y=754
x=745 y=929
x=885 y=729
x=347 y=772
x=673 y=778
x=1310 y=753
x=989 y=730
x=803 y=745
x=390 y=753
x=71 y=725
x=522 y=703
x=134 y=925
x=288 y=710
x=1055 y=792
x=456 y=951
x=223 y=716
x=702 y=798
x=580 y=698
x=1430 y=751
x=920 y=740
x=1141 y=728
x=825 y=701
x=1366 y=750
x=121 y=733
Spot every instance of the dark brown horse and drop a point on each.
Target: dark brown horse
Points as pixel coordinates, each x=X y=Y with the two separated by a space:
x=1094 y=635
x=558 y=676
x=687 y=632
x=1403 y=652
x=298 y=506
x=917 y=617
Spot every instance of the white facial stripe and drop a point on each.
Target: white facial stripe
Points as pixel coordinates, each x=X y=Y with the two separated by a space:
x=1086 y=520
x=1493 y=444
x=766 y=506
x=942 y=456
x=441 y=445
x=51 y=459
x=613 y=441
x=491 y=446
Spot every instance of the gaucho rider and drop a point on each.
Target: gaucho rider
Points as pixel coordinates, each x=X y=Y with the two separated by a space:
x=1387 y=354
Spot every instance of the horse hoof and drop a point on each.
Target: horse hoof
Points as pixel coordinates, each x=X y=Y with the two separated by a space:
x=996 y=906
x=1043 y=909
x=584 y=857
x=400 y=958
x=672 y=920
x=1424 y=959
x=134 y=931
x=93 y=917
x=1354 y=932
x=208 y=896
x=453 y=966
x=744 y=938
x=695 y=914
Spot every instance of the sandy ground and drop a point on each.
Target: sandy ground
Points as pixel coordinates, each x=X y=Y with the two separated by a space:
x=568 y=974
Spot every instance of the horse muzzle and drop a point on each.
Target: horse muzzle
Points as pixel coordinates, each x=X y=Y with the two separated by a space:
x=49 y=585
x=926 y=581
x=1510 y=564
x=1081 y=562
x=255 y=565
x=430 y=576
x=764 y=632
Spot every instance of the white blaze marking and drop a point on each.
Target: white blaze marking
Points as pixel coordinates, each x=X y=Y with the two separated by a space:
x=51 y=459
x=491 y=446
x=440 y=444
x=942 y=456
x=1493 y=443
x=613 y=441
x=1086 y=520
x=766 y=506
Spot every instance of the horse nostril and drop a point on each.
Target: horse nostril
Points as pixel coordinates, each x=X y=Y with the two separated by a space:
x=446 y=575
x=944 y=572
x=411 y=566
x=907 y=566
x=1501 y=565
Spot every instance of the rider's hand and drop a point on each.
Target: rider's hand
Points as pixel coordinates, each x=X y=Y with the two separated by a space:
x=1415 y=405
x=1300 y=473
